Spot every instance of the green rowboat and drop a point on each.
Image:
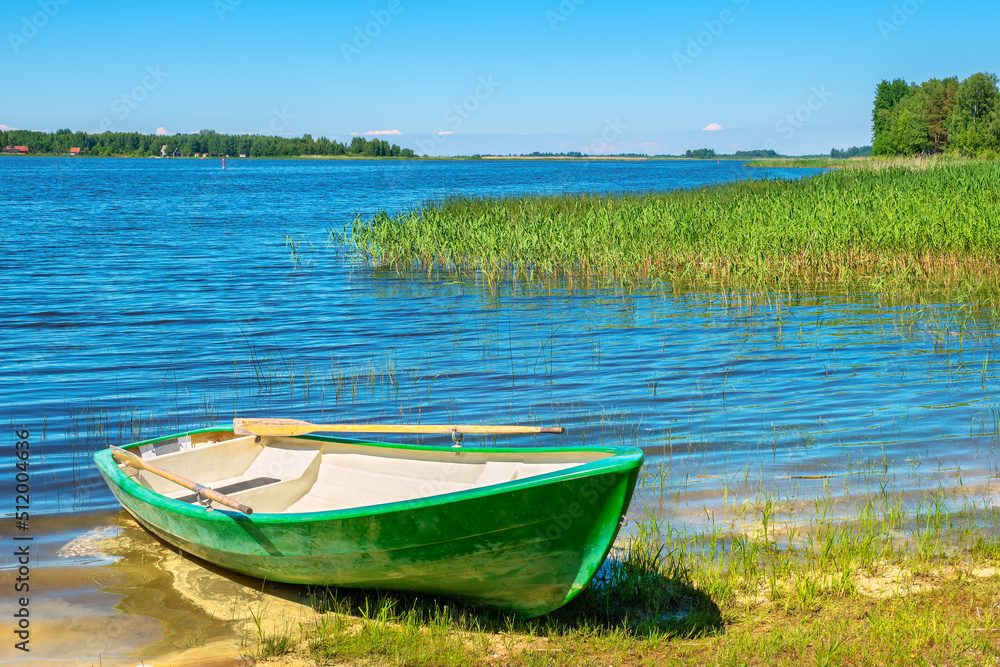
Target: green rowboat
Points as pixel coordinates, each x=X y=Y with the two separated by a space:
x=523 y=530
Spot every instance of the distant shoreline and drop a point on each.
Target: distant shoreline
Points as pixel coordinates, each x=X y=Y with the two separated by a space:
x=227 y=157
x=565 y=158
x=791 y=162
x=620 y=158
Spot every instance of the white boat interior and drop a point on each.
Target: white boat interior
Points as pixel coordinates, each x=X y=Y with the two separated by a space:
x=294 y=475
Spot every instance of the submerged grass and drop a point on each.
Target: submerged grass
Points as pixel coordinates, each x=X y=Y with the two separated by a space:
x=896 y=230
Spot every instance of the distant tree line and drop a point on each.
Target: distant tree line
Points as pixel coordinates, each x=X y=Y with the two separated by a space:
x=708 y=153
x=569 y=154
x=700 y=153
x=937 y=116
x=135 y=144
x=755 y=154
x=853 y=151
x=580 y=154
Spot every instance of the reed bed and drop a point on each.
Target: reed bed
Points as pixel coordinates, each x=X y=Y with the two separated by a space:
x=809 y=163
x=900 y=231
x=865 y=163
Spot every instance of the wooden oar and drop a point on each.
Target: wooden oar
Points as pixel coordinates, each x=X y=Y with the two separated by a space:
x=128 y=458
x=288 y=427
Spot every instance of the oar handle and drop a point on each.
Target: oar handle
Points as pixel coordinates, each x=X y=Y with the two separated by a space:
x=128 y=458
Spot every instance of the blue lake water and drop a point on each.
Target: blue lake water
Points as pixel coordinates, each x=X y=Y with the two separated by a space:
x=143 y=297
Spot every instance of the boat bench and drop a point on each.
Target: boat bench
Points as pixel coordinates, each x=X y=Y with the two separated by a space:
x=230 y=489
x=267 y=478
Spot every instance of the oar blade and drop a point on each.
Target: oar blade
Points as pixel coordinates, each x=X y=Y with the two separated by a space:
x=274 y=427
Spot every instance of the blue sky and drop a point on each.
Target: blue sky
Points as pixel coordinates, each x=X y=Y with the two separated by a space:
x=449 y=78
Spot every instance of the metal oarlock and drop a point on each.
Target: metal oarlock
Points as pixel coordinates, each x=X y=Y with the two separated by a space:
x=205 y=502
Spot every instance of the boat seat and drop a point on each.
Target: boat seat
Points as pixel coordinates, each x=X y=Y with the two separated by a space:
x=209 y=464
x=268 y=477
x=230 y=489
x=294 y=472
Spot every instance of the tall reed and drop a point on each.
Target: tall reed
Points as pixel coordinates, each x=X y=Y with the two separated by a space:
x=893 y=230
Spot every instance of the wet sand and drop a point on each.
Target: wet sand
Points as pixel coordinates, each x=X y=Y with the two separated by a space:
x=106 y=592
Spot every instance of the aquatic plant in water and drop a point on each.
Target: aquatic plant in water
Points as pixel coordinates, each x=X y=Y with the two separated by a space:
x=895 y=230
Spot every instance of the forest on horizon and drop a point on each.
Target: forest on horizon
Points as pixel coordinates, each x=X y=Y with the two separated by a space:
x=136 y=144
x=937 y=116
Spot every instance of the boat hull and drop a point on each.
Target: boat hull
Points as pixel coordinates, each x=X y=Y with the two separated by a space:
x=527 y=546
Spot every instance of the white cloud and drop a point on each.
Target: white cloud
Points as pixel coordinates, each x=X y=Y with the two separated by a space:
x=372 y=133
x=446 y=132
x=5 y=128
x=713 y=127
x=161 y=131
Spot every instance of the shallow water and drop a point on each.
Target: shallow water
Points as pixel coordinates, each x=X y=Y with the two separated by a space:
x=139 y=297
x=143 y=297
x=115 y=595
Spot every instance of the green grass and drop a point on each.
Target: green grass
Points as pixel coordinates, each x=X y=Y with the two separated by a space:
x=263 y=644
x=894 y=230
x=868 y=163
x=889 y=584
